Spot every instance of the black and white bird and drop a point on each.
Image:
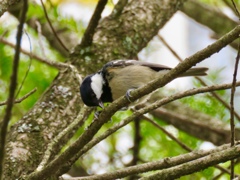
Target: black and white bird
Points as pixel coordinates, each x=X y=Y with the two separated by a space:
x=118 y=77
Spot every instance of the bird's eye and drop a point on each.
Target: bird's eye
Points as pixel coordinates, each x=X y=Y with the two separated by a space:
x=92 y=95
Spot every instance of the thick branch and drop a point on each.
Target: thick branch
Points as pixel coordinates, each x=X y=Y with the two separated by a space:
x=197 y=165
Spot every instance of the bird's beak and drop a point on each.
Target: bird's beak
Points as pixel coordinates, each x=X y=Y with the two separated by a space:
x=101 y=104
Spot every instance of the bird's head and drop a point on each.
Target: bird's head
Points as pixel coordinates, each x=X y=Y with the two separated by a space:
x=91 y=90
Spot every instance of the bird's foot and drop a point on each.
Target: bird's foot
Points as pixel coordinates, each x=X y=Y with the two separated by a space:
x=96 y=114
x=128 y=94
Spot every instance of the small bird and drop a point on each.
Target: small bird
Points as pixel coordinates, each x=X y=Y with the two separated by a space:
x=119 y=77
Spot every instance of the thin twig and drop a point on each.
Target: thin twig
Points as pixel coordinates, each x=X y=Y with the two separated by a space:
x=53 y=30
x=233 y=89
x=136 y=144
x=28 y=69
x=40 y=41
x=184 y=146
x=214 y=94
x=58 y=65
x=221 y=173
x=236 y=9
x=229 y=5
x=12 y=87
x=20 y=99
x=88 y=35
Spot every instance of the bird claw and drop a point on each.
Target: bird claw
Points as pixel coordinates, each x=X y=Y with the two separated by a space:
x=96 y=114
x=123 y=109
x=128 y=95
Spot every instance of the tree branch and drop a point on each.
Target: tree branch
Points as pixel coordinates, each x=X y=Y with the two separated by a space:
x=137 y=114
x=88 y=35
x=58 y=65
x=12 y=87
x=233 y=89
x=119 y=8
x=156 y=165
x=5 y=5
x=52 y=147
x=235 y=8
x=20 y=99
x=53 y=30
x=196 y=165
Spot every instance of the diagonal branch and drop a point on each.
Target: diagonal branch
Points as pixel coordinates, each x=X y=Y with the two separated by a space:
x=78 y=122
x=51 y=26
x=235 y=8
x=88 y=35
x=137 y=114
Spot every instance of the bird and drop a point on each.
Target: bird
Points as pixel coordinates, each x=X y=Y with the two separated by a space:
x=119 y=77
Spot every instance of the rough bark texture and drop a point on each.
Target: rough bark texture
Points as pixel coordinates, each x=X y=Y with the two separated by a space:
x=6 y=4
x=122 y=37
x=119 y=37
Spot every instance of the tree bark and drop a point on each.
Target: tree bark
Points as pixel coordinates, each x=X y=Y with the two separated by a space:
x=6 y=4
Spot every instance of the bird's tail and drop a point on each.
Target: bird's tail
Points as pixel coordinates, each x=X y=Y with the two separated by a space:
x=199 y=71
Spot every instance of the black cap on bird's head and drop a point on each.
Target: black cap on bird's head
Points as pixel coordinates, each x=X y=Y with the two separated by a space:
x=91 y=90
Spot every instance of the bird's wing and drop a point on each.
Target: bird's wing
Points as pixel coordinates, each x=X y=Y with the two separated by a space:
x=124 y=63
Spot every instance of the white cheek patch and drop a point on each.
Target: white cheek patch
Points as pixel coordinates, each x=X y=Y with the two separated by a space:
x=97 y=85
